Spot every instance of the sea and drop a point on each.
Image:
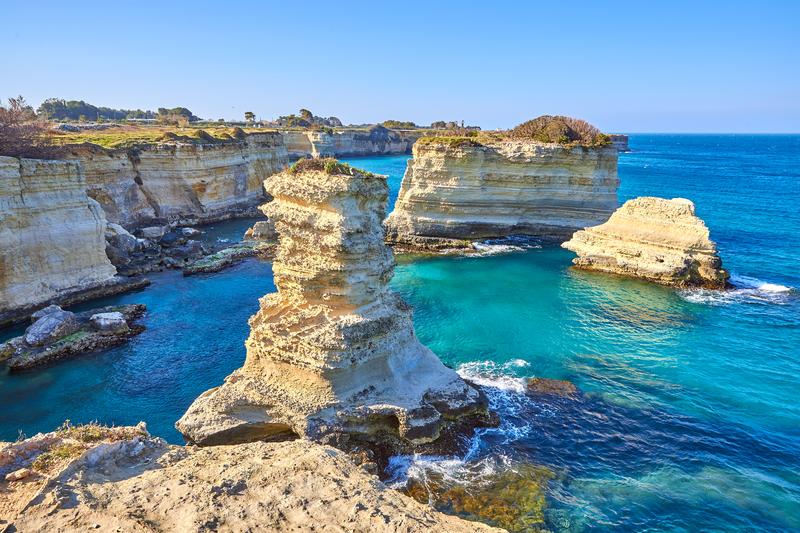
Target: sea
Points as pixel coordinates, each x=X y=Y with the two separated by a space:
x=688 y=416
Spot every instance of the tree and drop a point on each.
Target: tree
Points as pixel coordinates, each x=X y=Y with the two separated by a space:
x=249 y=116
x=306 y=114
x=21 y=133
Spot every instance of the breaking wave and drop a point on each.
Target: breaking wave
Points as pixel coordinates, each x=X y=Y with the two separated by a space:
x=513 y=243
x=745 y=289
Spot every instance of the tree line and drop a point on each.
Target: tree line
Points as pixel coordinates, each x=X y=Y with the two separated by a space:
x=60 y=109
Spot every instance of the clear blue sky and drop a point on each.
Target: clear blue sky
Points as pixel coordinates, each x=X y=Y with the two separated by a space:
x=625 y=66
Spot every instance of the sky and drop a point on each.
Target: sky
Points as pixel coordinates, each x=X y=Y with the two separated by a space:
x=644 y=66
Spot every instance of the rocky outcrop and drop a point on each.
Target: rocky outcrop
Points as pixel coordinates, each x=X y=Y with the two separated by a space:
x=180 y=181
x=58 y=334
x=52 y=243
x=332 y=355
x=121 y=479
x=654 y=239
x=619 y=141
x=375 y=141
x=456 y=190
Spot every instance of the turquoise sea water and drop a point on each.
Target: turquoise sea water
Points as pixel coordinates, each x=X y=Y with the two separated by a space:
x=690 y=414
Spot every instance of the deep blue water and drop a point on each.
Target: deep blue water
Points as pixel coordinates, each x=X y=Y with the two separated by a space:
x=690 y=413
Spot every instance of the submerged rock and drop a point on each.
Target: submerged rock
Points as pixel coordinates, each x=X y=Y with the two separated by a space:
x=60 y=334
x=122 y=479
x=332 y=355
x=512 y=498
x=654 y=239
x=551 y=387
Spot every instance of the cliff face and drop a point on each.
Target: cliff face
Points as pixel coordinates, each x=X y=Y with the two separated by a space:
x=333 y=352
x=181 y=181
x=378 y=141
x=655 y=239
x=52 y=235
x=457 y=192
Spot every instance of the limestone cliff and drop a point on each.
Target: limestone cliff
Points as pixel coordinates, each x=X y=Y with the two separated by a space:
x=52 y=235
x=376 y=141
x=178 y=181
x=458 y=190
x=654 y=239
x=333 y=354
x=122 y=479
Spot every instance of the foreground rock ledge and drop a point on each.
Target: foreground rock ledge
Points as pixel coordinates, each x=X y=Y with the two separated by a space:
x=332 y=355
x=654 y=239
x=121 y=479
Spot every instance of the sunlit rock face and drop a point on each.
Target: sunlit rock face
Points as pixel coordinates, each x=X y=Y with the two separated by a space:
x=654 y=239
x=333 y=353
x=52 y=235
x=185 y=182
x=453 y=193
x=377 y=141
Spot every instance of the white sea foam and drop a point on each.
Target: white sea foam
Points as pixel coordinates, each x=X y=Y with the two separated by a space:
x=514 y=243
x=745 y=288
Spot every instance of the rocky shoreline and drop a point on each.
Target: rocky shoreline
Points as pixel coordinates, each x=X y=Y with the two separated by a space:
x=57 y=334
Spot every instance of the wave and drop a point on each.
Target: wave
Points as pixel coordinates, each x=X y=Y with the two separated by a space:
x=513 y=243
x=745 y=289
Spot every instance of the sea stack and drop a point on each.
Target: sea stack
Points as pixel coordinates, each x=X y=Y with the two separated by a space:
x=654 y=239
x=458 y=190
x=332 y=355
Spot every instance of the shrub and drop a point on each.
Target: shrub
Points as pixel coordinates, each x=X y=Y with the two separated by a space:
x=21 y=133
x=560 y=129
x=328 y=165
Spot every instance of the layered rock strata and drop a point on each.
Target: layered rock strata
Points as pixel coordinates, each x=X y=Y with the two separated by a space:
x=332 y=355
x=181 y=182
x=376 y=141
x=52 y=237
x=456 y=192
x=654 y=239
x=122 y=479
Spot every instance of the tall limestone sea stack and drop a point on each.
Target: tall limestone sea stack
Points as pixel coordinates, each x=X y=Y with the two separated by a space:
x=655 y=239
x=332 y=355
x=458 y=189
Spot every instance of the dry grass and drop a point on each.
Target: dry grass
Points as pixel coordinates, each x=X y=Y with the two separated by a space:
x=328 y=165
x=130 y=136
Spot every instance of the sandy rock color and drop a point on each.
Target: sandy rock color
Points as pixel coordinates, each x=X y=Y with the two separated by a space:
x=455 y=192
x=654 y=239
x=333 y=352
x=121 y=479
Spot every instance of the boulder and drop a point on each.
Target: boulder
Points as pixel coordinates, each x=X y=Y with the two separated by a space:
x=45 y=311
x=50 y=327
x=113 y=322
x=263 y=230
x=153 y=232
x=551 y=387
x=191 y=232
x=190 y=249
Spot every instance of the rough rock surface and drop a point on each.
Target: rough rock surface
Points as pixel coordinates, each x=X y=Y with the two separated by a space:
x=59 y=334
x=654 y=239
x=453 y=193
x=181 y=182
x=333 y=353
x=121 y=479
x=377 y=141
x=52 y=240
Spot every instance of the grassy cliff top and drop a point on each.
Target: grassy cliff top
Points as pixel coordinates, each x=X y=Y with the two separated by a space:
x=130 y=136
x=549 y=129
x=328 y=165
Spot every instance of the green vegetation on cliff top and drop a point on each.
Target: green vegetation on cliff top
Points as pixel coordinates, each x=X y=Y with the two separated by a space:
x=328 y=165
x=128 y=137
